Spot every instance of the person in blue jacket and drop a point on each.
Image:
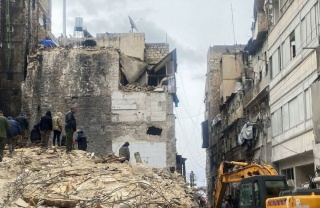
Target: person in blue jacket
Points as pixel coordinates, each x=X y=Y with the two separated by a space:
x=81 y=140
x=13 y=134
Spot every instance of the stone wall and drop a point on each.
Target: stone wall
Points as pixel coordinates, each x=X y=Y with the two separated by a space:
x=16 y=45
x=59 y=78
x=154 y=52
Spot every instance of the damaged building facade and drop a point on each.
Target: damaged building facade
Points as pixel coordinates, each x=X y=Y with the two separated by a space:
x=22 y=25
x=124 y=90
x=271 y=117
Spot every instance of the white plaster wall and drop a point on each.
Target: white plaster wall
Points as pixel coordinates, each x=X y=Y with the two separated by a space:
x=152 y=153
x=149 y=106
x=297 y=145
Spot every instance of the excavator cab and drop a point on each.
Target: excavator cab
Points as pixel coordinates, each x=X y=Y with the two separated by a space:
x=256 y=189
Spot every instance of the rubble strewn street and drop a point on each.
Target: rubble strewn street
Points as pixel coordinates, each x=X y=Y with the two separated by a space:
x=51 y=178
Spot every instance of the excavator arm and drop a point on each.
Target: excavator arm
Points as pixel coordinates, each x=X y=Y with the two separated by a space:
x=246 y=170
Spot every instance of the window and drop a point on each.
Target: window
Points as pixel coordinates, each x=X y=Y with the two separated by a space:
x=256 y=194
x=297 y=39
x=301 y=108
x=308 y=25
x=285 y=52
x=273 y=188
x=288 y=173
x=308 y=103
x=296 y=110
x=246 y=194
x=276 y=63
x=276 y=122
x=276 y=11
x=313 y=22
x=285 y=117
x=303 y=29
x=293 y=51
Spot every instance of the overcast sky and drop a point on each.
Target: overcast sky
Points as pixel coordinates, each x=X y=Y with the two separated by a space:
x=191 y=26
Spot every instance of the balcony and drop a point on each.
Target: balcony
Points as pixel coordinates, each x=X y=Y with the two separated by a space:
x=259 y=90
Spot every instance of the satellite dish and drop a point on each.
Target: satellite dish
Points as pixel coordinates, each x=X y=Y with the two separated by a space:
x=133 y=25
x=41 y=22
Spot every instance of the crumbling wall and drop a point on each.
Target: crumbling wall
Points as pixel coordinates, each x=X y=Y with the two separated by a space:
x=59 y=78
x=134 y=113
x=154 y=52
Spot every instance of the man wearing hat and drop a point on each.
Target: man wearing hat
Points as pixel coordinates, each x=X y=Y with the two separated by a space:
x=4 y=127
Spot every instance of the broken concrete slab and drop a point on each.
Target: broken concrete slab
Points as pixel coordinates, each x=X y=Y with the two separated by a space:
x=132 y=68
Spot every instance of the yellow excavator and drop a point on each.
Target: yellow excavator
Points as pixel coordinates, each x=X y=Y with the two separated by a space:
x=262 y=187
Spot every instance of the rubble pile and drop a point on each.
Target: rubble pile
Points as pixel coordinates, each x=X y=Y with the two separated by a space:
x=137 y=88
x=52 y=178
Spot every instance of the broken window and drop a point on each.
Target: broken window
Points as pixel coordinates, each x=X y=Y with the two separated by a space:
x=292 y=45
x=155 y=78
x=154 y=131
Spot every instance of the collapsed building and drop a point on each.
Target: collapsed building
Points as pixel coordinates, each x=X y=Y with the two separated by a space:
x=124 y=90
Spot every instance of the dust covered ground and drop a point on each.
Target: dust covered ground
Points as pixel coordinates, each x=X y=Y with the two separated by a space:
x=52 y=178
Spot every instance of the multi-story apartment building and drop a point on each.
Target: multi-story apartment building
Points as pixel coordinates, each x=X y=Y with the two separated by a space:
x=22 y=25
x=292 y=43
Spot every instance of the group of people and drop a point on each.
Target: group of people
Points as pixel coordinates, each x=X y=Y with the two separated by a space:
x=12 y=132
x=15 y=132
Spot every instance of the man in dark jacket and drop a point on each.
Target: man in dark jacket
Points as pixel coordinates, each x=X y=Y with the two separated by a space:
x=4 y=127
x=45 y=129
x=13 y=134
x=124 y=152
x=70 y=128
x=24 y=125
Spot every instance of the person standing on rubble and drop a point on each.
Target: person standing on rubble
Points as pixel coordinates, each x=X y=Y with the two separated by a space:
x=24 y=125
x=124 y=152
x=45 y=129
x=57 y=128
x=70 y=128
x=13 y=134
x=81 y=140
x=4 y=127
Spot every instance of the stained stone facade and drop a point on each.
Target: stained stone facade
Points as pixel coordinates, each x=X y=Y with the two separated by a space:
x=110 y=111
x=22 y=25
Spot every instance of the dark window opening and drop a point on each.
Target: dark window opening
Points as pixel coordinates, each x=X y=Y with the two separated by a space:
x=154 y=131
x=260 y=75
x=293 y=45
x=123 y=79
x=288 y=173
x=156 y=77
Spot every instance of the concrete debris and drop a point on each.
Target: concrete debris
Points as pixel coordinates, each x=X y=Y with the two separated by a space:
x=57 y=179
x=137 y=88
